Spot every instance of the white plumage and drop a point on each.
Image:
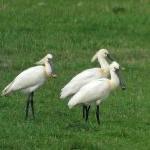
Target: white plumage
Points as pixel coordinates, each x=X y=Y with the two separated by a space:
x=81 y=79
x=88 y=75
x=27 y=81
x=91 y=92
x=31 y=79
x=98 y=89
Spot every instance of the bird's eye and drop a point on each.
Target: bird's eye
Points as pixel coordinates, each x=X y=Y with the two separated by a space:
x=116 y=69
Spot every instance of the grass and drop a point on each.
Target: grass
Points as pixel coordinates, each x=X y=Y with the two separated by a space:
x=73 y=31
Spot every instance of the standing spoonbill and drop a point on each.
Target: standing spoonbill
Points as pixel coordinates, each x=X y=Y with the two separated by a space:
x=87 y=76
x=98 y=90
x=31 y=79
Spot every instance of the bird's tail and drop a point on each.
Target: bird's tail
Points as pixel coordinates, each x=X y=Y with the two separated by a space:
x=67 y=91
x=7 y=90
x=71 y=104
x=64 y=94
x=73 y=101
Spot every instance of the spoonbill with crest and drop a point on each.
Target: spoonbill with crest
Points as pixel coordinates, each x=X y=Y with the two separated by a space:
x=98 y=90
x=87 y=76
x=31 y=79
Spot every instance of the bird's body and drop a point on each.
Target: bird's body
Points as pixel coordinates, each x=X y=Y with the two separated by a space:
x=31 y=79
x=82 y=79
x=88 y=75
x=27 y=81
x=97 y=90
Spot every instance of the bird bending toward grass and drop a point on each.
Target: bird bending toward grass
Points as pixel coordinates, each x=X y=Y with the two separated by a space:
x=87 y=76
x=98 y=90
x=31 y=79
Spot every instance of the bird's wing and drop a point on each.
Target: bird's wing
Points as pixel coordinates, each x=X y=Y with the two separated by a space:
x=25 y=79
x=79 y=80
x=95 y=90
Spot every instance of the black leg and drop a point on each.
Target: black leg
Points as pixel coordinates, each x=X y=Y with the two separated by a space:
x=87 y=113
x=32 y=104
x=27 y=107
x=84 y=111
x=97 y=114
x=88 y=108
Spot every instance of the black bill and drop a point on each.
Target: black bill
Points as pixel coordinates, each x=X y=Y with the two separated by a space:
x=122 y=84
x=52 y=67
x=109 y=57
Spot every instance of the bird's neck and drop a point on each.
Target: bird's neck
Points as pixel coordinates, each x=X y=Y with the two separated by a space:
x=104 y=64
x=114 y=80
x=48 y=69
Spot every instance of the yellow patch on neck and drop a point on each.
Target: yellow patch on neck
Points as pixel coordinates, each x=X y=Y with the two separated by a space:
x=45 y=70
x=104 y=72
x=46 y=74
x=112 y=85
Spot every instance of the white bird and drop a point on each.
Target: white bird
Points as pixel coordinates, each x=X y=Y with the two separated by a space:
x=98 y=89
x=88 y=75
x=31 y=79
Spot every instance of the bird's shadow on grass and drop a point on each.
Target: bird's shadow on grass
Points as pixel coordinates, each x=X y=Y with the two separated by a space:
x=83 y=126
x=77 y=125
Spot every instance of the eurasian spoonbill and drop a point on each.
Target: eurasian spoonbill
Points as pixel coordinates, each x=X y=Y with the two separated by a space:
x=31 y=79
x=88 y=75
x=98 y=90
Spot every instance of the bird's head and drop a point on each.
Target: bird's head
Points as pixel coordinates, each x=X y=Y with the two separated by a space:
x=102 y=53
x=45 y=59
x=115 y=67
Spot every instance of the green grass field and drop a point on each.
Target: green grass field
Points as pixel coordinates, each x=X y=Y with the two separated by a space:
x=73 y=31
